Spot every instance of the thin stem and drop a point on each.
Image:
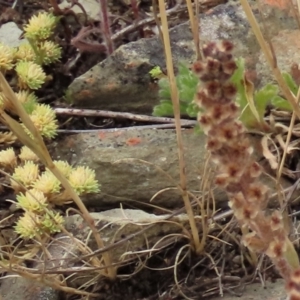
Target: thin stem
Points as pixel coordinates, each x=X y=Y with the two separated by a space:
x=105 y=25
x=175 y=101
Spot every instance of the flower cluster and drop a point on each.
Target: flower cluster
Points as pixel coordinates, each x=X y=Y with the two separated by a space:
x=231 y=151
x=44 y=119
x=32 y=225
x=37 y=194
x=30 y=75
x=6 y=57
x=41 y=26
x=26 y=62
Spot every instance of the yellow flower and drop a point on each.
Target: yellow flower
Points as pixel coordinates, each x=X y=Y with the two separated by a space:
x=33 y=201
x=25 y=53
x=29 y=226
x=6 y=57
x=47 y=183
x=52 y=221
x=44 y=119
x=28 y=100
x=30 y=75
x=28 y=154
x=41 y=26
x=63 y=167
x=50 y=52
x=7 y=138
x=26 y=175
x=8 y=158
x=83 y=180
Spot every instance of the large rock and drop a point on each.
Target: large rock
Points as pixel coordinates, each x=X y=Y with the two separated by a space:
x=285 y=56
x=134 y=165
x=10 y=34
x=122 y=81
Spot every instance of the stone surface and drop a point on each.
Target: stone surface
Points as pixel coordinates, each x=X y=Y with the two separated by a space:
x=10 y=34
x=286 y=55
x=130 y=164
x=122 y=81
x=92 y=8
x=255 y=291
x=20 y=288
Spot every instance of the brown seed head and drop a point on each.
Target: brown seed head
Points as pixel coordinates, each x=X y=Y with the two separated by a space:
x=225 y=46
x=229 y=91
x=229 y=67
x=254 y=170
x=213 y=89
x=213 y=66
x=198 y=68
x=210 y=49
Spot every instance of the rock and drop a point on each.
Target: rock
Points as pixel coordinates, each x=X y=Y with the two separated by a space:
x=92 y=8
x=272 y=291
x=25 y=289
x=122 y=81
x=135 y=165
x=10 y=34
x=285 y=55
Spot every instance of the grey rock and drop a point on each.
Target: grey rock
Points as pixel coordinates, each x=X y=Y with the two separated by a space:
x=10 y=34
x=285 y=55
x=21 y=288
x=122 y=81
x=92 y=8
x=135 y=165
x=266 y=291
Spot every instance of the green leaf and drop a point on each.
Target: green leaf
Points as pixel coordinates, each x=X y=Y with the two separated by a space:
x=238 y=79
x=192 y=110
x=263 y=97
x=186 y=82
x=290 y=82
x=164 y=109
x=164 y=88
x=155 y=72
x=281 y=103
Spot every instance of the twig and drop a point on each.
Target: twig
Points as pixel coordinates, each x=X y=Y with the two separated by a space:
x=131 y=28
x=105 y=26
x=119 y=115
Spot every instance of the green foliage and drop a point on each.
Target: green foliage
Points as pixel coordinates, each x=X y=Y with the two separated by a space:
x=187 y=85
x=27 y=63
x=269 y=94
x=156 y=72
x=252 y=103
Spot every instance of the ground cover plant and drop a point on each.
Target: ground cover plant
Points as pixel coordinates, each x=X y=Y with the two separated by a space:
x=213 y=89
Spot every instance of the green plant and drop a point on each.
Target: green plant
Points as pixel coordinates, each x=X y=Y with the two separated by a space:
x=156 y=72
x=26 y=62
x=252 y=103
x=58 y=184
x=38 y=193
x=186 y=83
